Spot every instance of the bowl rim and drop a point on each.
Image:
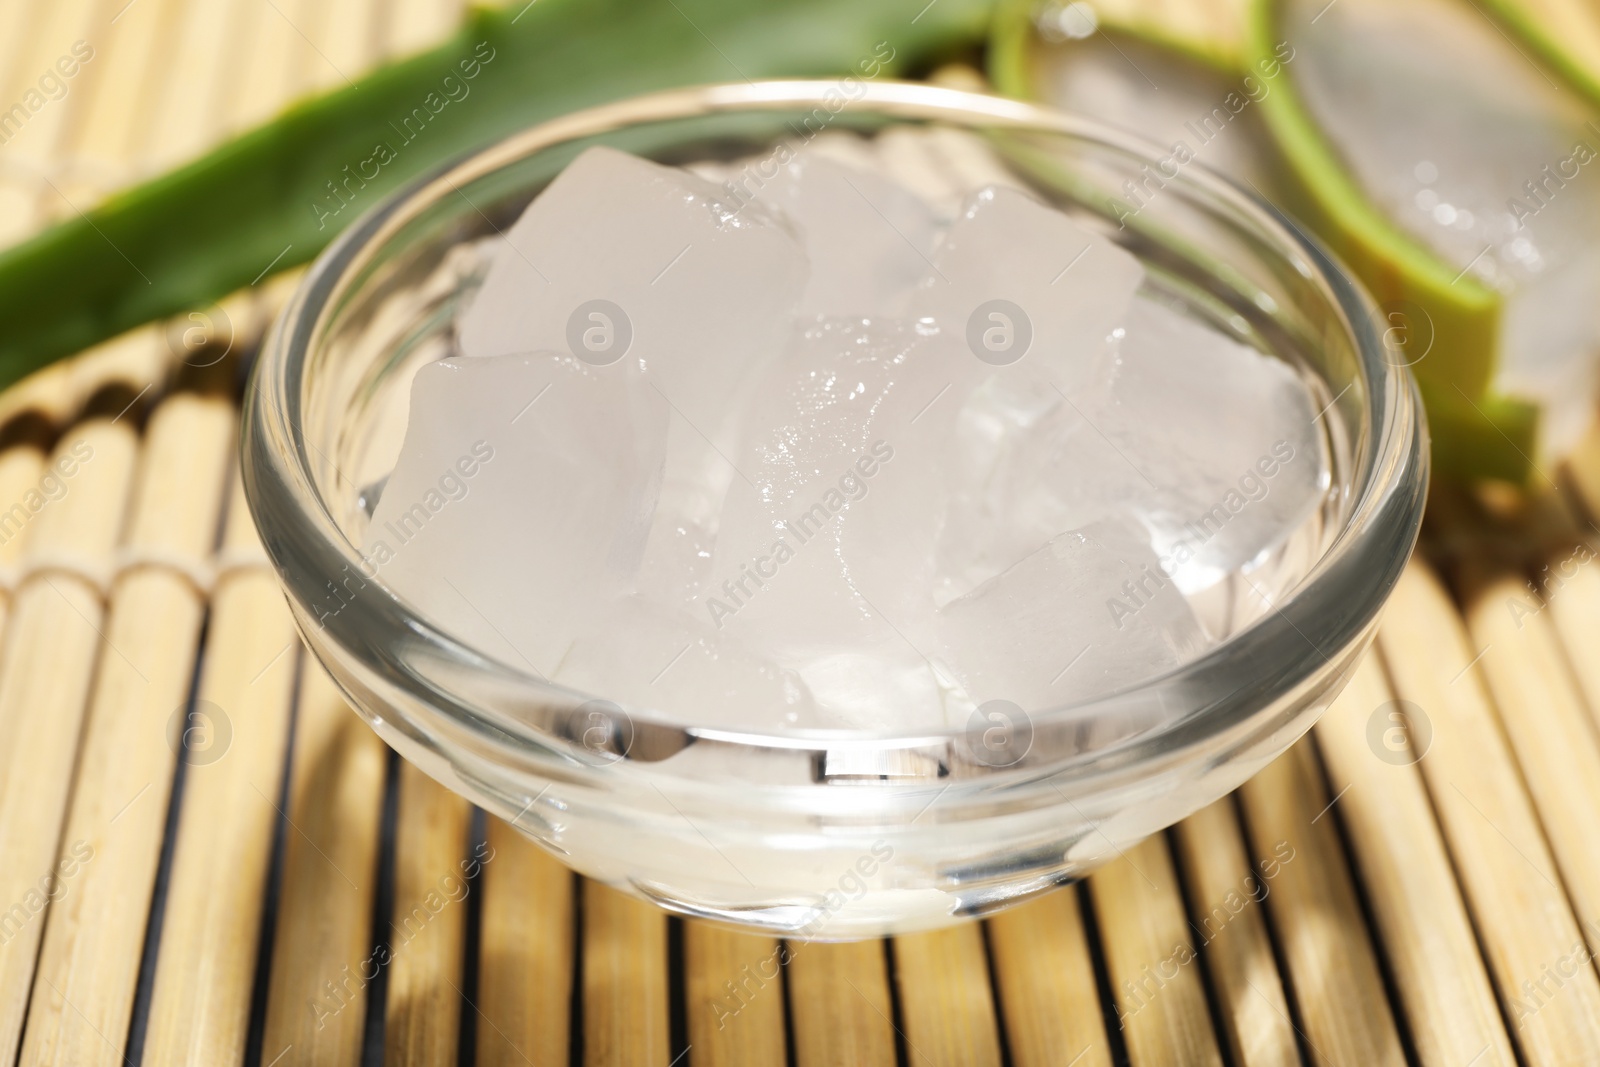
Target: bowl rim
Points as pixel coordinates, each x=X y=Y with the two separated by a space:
x=1323 y=610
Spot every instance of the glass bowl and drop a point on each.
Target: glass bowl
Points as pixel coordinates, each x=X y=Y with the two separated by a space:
x=825 y=834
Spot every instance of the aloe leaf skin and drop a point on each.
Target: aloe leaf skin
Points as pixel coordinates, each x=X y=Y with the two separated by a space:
x=1475 y=434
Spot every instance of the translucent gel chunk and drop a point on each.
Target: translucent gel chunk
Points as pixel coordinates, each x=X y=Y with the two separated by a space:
x=521 y=499
x=1087 y=614
x=868 y=240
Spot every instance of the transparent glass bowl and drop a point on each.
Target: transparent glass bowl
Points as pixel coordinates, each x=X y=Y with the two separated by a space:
x=836 y=834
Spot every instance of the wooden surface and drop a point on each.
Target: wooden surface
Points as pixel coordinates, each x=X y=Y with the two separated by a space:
x=242 y=874
x=206 y=859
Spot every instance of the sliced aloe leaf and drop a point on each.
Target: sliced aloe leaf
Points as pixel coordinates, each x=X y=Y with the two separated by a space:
x=1397 y=267
x=1475 y=439
x=1242 y=111
x=1169 y=82
x=1166 y=96
x=1452 y=172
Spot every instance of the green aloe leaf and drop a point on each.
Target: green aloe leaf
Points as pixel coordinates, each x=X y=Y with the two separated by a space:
x=1475 y=434
x=277 y=195
x=1276 y=144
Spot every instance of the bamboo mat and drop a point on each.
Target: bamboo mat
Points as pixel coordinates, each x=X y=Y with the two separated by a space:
x=205 y=858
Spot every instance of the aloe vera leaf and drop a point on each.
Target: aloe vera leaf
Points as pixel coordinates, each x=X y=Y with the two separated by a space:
x=215 y=225
x=1488 y=437
x=1395 y=267
x=1173 y=98
x=1475 y=435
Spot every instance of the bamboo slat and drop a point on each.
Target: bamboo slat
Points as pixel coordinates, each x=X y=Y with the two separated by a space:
x=413 y=25
x=525 y=972
x=1446 y=855
x=52 y=643
x=89 y=965
x=1574 y=605
x=344 y=37
x=1227 y=894
x=16 y=18
x=20 y=468
x=1044 y=977
x=113 y=97
x=842 y=1010
x=625 y=981
x=427 y=932
x=137 y=363
x=42 y=140
x=1333 y=973
x=1159 y=993
x=1551 y=731
x=734 y=997
x=191 y=110
x=31 y=30
x=1421 y=919
x=322 y=959
x=1510 y=881
x=120 y=105
x=211 y=924
x=275 y=59
x=45 y=394
x=945 y=998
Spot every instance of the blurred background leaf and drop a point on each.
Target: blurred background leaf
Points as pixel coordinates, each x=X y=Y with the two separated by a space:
x=215 y=225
